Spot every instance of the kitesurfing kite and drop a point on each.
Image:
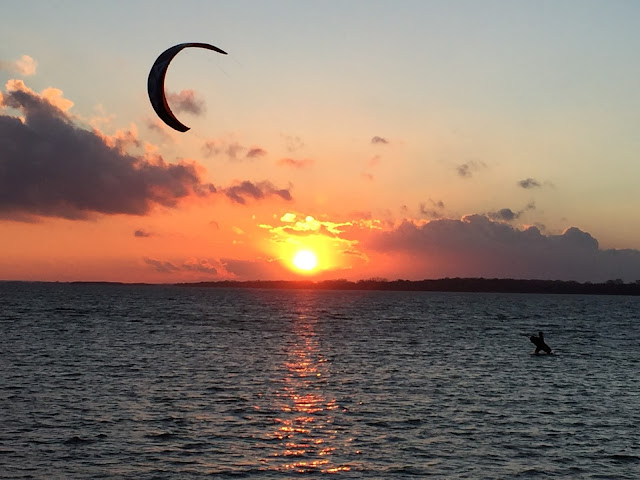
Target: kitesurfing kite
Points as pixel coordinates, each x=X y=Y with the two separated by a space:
x=155 y=83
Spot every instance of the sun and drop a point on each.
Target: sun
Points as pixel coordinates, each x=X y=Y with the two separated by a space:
x=305 y=260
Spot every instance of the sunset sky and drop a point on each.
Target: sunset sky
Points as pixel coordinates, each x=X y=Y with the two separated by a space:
x=409 y=139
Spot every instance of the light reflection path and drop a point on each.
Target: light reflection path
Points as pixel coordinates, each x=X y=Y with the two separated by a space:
x=304 y=439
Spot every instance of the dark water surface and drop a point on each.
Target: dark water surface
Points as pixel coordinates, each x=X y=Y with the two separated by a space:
x=167 y=382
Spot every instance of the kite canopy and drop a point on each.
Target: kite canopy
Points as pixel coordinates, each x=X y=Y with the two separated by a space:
x=155 y=83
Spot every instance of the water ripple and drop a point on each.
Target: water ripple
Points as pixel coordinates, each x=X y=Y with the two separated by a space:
x=162 y=382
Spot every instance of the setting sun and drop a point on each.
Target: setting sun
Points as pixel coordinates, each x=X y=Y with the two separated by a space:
x=305 y=260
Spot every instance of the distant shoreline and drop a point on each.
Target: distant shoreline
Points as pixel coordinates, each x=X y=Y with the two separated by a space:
x=463 y=285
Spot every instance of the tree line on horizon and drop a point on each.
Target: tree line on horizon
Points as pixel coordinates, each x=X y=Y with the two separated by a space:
x=479 y=285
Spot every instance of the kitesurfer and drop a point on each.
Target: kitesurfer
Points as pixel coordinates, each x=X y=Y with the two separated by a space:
x=540 y=344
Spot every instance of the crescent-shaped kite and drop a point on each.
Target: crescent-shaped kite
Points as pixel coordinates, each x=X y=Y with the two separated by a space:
x=155 y=83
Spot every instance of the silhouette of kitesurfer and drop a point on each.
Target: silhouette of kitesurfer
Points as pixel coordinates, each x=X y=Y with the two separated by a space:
x=539 y=343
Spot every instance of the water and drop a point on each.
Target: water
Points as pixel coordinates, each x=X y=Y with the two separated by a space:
x=167 y=382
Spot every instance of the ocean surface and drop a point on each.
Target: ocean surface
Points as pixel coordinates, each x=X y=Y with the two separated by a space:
x=154 y=382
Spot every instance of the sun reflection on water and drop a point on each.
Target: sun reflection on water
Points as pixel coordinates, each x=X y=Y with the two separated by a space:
x=307 y=439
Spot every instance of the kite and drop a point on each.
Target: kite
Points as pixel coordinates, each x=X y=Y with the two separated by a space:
x=155 y=83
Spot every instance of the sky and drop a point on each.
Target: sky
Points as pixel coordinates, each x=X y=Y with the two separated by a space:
x=398 y=140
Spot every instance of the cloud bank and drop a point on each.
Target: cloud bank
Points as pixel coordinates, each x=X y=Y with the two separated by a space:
x=475 y=246
x=50 y=167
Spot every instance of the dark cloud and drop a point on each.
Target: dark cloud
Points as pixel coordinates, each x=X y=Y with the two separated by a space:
x=529 y=183
x=160 y=266
x=186 y=101
x=256 y=152
x=466 y=170
x=379 y=140
x=508 y=215
x=141 y=234
x=51 y=167
x=292 y=162
x=475 y=246
x=505 y=214
x=239 y=193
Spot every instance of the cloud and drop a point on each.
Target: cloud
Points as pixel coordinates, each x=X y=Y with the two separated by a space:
x=122 y=139
x=476 y=246
x=505 y=214
x=257 y=191
x=161 y=266
x=508 y=215
x=295 y=226
x=379 y=140
x=466 y=170
x=256 y=152
x=141 y=234
x=51 y=167
x=434 y=210
x=292 y=143
x=157 y=126
x=206 y=266
x=232 y=149
x=292 y=162
x=186 y=101
x=210 y=267
x=217 y=269
x=529 y=183
x=25 y=65
x=303 y=225
x=211 y=148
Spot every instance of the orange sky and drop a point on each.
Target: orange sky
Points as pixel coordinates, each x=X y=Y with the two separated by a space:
x=392 y=157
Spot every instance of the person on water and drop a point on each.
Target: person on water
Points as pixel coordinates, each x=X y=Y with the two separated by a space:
x=539 y=343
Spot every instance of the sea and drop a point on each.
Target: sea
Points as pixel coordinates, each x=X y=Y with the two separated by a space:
x=163 y=382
